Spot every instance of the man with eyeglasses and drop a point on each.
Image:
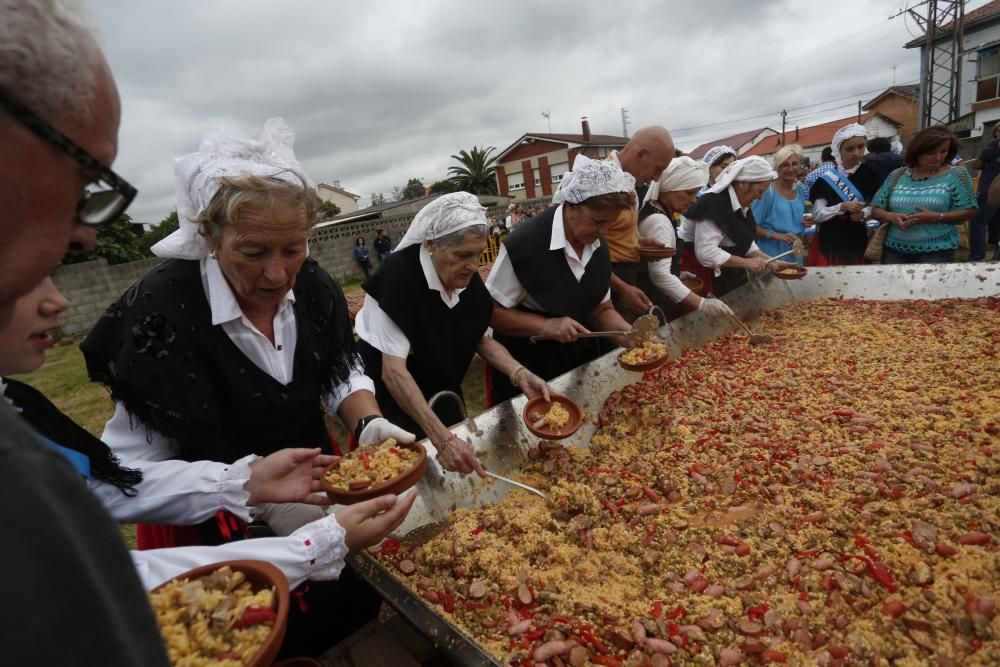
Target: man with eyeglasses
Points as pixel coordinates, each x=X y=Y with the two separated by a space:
x=73 y=595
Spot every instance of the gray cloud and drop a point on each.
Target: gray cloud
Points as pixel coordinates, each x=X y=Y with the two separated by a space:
x=379 y=92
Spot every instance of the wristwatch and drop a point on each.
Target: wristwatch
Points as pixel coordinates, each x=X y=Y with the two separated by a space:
x=364 y=421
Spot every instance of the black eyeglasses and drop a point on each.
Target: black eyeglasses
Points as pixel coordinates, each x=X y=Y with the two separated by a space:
x=107 y=195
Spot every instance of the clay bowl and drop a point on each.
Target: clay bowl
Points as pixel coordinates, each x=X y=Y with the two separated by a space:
x=791 y=273
x=654 y=252
x=260 y=575
x=696 y=285
x=644 y=366
x=539 y=405
x=395 y=485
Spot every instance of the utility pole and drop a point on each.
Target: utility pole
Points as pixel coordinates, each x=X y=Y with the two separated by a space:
x=859 y=111
x=941 y=64
x=784 y=114
x=625 y=122
x=547 y=116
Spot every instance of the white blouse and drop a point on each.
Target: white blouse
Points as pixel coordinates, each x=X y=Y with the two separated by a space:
x=660 y=228
x=708 y=238
x=507 y=290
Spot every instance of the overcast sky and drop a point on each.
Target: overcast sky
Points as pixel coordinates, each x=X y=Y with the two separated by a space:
x=379 y=92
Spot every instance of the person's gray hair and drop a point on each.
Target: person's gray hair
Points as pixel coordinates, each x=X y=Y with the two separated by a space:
x=238 y=192
x=456 y=237
x=48 y=57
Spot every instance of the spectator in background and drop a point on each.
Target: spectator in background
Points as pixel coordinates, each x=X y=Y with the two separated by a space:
x=495 y=228
x=781 y=211
x=985 y=221
x=881 y=158
x=362 y=256
x=826 y=164
x=383 y=245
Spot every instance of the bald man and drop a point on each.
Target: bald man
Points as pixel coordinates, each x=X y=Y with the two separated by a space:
x=645 y=156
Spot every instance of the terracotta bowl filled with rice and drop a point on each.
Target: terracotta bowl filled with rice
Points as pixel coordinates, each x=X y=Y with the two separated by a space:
x=228 y=614
x=375 y=470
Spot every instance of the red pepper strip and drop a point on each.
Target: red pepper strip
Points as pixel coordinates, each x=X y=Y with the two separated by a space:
x=677 y=613
x=881 y=574
x=606 y=661
x=475 y=605
x=532 y=635
x=255 y=616
x=396 y=452
x=365 y=460
x=657 y=609
x=559 y=619
x=389 y=547
x=525 y=613
x=588 y=637
x=478 y=529
x=772 y=656
x=754 y=613
x=449 y=602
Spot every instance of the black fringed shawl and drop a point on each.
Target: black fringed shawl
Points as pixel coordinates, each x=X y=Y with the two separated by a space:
x=50 y=422
x=158 y=352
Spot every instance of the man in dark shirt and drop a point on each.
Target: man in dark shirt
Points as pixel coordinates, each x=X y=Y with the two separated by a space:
x=383 y=246
x=985 y=219
x=881 y=159
x=75 y=596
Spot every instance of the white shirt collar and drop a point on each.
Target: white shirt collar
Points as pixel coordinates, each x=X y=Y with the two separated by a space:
x=221 y=299
x=434 y=282
x=736 y=201
x=558 y=240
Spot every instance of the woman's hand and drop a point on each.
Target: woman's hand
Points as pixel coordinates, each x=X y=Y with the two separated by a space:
x=634 y=299
x=852 y=207
x=289 y=476
x=897 y=219
x=714 y=307
x=808 y=220
x=785 y=238
x=922 y=215
x=368 y=522
x=532 y=385
x=381 y=429
x=755 y=264
x=562 y=329
x=457 y=455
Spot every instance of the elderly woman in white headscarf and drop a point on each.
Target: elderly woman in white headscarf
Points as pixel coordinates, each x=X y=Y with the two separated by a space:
x=426 y=314
x=552 y=277
x=233 y=345
x=839 y=198
x=675 y=192
x=724 y=225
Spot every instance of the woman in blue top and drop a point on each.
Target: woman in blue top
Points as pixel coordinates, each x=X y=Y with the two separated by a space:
x=781 y=211
x=924 y=203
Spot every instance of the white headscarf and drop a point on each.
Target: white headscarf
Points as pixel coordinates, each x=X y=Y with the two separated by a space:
x=226 y=152
x=446 y=214
x=715 y=152
x=753 y=168
x=683 y=173
x=842 y=135
x=592 y=178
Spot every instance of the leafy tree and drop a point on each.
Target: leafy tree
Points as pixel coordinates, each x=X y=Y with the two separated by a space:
x=117 y=243
x=475 y=171
x=166 y=227
x=442 y=187
x=329 y=210
x=414 y=189
x=377 y=198
x=397 y=194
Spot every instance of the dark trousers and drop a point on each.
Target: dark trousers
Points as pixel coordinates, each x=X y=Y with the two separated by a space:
x=891 y=256
x=984 y=222
x=629 y=273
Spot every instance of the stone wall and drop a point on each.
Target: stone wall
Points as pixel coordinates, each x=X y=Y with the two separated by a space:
x=91 y=287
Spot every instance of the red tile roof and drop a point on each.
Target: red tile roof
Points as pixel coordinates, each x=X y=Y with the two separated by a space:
x=808 y=137
x=985 y=13
x=735 y=141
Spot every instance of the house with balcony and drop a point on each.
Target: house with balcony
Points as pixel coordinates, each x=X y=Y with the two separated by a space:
x=532 y=166
x=979 y=95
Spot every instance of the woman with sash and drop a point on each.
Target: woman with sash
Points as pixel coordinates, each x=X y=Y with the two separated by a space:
x=552 y=277
x=724 y=226
x=426 y=315
x=840 y=199
x=676 y=190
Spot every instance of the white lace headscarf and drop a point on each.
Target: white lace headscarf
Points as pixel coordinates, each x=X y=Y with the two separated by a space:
x=592 y=178
x=715 y=152
x=445 y=215
x=752 y=169
x=842 y=135
x=683 y=173
x=226 y=153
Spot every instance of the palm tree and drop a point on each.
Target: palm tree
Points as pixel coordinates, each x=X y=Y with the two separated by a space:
x=475 y=172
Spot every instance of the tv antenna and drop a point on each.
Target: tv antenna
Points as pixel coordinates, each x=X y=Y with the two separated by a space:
x=548 y=118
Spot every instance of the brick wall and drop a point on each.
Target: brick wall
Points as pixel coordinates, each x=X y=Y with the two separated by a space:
x=91 y=287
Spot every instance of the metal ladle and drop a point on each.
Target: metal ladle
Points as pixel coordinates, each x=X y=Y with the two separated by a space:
x=644 y=328
x=754 y=339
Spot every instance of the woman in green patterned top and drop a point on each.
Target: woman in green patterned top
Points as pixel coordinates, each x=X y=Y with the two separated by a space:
x=925 y=201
